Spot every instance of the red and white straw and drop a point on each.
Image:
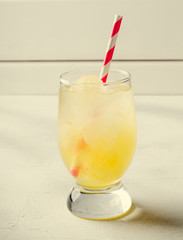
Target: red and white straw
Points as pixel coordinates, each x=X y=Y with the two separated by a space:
x=110 y=48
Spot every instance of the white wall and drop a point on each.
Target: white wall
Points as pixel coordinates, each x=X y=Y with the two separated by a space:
x=41 y=39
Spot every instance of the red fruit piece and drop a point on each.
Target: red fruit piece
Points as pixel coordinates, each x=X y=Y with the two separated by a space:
x=81 y=144
x=75 y=171
x=96 y=114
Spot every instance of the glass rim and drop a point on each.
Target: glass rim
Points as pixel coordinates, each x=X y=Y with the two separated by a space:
x=124 y=79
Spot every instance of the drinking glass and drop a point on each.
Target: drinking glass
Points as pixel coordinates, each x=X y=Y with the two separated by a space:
x=97 y=140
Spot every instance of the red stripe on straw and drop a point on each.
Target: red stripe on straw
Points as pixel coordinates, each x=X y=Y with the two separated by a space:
x=109 y=55
x=116 y=27
x=110 y=48
x=104 y=78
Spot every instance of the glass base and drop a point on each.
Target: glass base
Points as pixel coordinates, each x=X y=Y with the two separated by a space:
x=105 y=204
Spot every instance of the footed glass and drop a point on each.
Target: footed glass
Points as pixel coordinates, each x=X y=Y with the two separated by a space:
x=97 y=140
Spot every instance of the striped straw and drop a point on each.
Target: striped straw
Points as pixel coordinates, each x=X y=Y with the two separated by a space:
x=110 y=48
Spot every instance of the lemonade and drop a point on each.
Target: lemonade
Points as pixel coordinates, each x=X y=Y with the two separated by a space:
x=96 y=131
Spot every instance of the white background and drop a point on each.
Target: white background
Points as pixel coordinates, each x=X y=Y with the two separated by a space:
x=38 y=41
x=41 y=39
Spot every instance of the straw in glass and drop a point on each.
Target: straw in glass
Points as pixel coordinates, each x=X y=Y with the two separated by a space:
x=110 y=48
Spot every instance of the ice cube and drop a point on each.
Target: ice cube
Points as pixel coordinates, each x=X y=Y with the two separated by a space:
x=89 y=79
x=101 y=132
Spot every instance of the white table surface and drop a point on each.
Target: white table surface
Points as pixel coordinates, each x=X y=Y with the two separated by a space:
x=34 y=182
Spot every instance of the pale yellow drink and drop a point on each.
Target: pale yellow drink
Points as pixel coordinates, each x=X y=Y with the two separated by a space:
x=96 y=131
